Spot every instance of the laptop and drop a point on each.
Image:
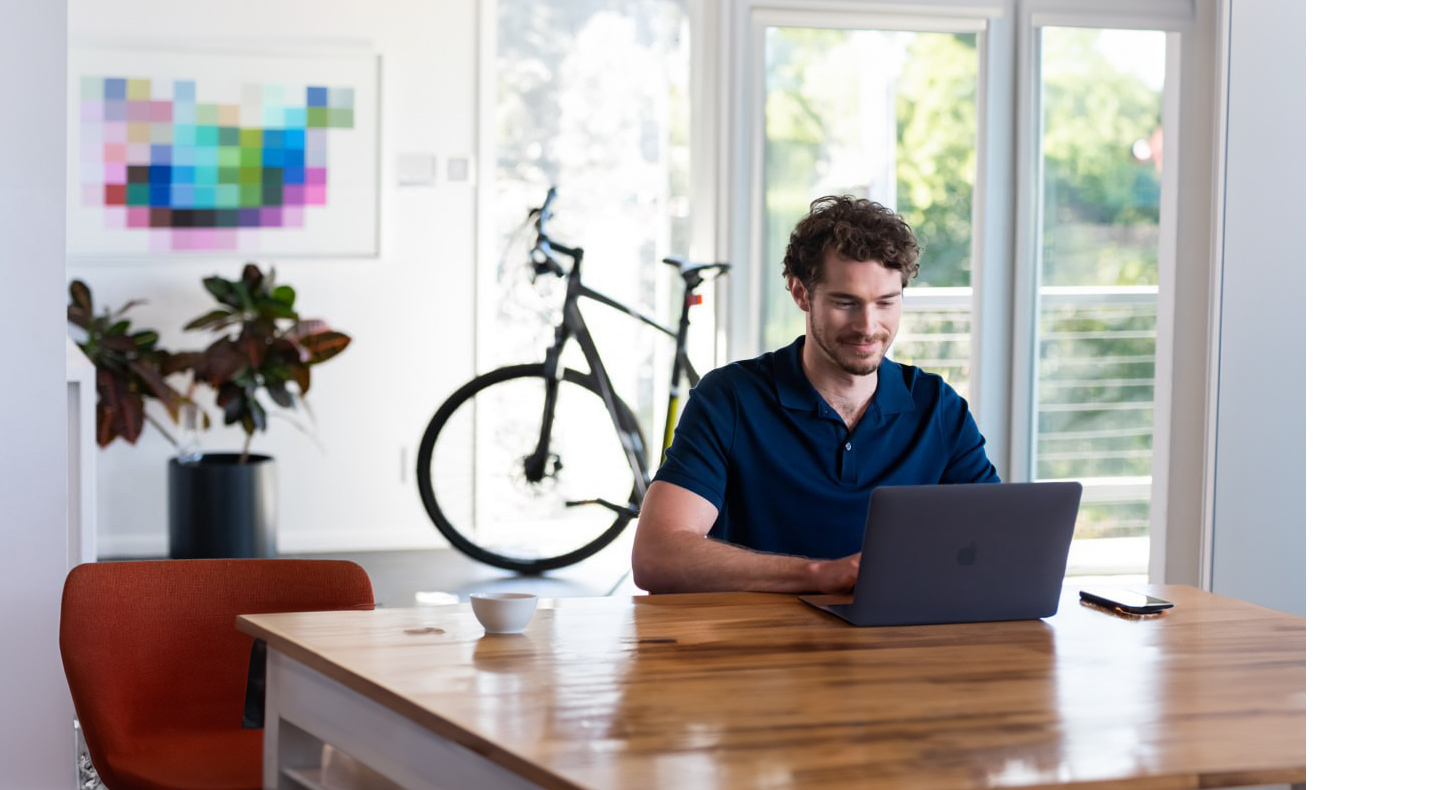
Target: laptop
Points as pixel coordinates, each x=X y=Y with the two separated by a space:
x=960 y=554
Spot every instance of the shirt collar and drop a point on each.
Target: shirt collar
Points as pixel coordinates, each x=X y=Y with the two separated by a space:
x=795 y=391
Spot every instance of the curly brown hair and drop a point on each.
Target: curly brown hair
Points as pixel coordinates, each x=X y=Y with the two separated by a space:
x=855 y=229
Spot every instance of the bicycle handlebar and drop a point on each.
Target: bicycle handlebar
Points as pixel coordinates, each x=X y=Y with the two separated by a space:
x=543 y=258
x=543 y=252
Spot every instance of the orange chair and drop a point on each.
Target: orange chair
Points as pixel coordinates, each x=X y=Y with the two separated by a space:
x=158 y=670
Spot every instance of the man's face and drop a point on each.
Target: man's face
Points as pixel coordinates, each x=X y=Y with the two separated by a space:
x=852 y=313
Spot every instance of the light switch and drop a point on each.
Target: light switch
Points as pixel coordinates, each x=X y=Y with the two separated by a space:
x=460 y=169
x=416 y=170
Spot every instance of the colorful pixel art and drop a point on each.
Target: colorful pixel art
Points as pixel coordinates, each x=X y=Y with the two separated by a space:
x=159 y=158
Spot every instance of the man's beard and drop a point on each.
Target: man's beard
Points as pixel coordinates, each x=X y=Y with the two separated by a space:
x=848 y=362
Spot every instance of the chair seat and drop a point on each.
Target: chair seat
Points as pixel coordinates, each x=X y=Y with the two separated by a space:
x=228 y=759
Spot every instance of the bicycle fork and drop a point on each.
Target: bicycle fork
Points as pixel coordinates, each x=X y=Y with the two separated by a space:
x=542 y=463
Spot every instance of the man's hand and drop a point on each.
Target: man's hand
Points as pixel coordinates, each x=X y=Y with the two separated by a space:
x=836 y=576
x=672 y=553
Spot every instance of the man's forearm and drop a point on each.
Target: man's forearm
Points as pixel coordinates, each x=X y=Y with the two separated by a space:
x=686 y=562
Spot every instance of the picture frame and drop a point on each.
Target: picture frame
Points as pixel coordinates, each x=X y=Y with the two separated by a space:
x=177 y=153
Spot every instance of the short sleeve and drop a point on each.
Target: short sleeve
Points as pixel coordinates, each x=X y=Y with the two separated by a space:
x=967 y=461
x=699 y=453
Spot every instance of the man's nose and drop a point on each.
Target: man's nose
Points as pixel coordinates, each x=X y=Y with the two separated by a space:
x=868 y=320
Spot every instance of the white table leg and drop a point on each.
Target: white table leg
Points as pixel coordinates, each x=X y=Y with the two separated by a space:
x=304 y=710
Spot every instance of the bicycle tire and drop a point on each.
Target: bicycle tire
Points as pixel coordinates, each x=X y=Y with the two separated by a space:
x=465 y=536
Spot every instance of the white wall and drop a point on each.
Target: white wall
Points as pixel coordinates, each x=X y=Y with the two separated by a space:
x=36 y=735
x=1259 y=522
x=410 y=311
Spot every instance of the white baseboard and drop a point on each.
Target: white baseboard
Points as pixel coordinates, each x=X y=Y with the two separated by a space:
x=380 y=539
x=150 y=544
x=157 y=544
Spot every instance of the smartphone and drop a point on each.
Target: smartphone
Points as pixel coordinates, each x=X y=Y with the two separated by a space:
x=1125 y=600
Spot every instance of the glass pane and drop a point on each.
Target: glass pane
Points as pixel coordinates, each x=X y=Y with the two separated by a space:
x=1096 y=333
x=889 y=116
x=593 y=97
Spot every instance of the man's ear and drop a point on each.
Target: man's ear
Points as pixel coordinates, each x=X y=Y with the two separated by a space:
x=799 y=294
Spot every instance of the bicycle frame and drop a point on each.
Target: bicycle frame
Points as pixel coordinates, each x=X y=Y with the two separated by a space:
x=573 y=325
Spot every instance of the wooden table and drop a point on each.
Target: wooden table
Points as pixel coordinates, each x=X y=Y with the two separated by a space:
x=746 y=690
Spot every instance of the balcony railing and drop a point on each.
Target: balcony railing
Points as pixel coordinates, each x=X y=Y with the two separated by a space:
x=1095 y=384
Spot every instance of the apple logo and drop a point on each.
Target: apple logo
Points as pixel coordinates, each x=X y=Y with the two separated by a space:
x=966 y=555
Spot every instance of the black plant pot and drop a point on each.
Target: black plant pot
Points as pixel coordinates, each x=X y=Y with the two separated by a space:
x=220 y=507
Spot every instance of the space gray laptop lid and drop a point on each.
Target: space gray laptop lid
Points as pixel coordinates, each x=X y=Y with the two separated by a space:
x=960 y=553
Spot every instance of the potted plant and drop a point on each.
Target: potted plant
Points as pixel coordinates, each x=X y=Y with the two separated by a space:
x=220 y=504
x=224 y=504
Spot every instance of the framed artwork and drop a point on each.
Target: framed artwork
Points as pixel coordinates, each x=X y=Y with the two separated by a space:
x=176 y=153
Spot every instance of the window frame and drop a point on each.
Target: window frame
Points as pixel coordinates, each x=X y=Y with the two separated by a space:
x=1005 y=282
x=1174 y=18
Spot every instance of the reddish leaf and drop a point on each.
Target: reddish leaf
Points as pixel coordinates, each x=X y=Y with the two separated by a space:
x=219 y=363
x=287 y=352
x=178 y=363
x=254 y=349
x=121 y=343
x=325 y=345
x=126 y=408
x=158 y=388
x=307 y=327
x=300 y=374
x=252 y=277
x=80 y=302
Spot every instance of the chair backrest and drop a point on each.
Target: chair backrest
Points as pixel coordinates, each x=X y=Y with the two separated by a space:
x=151 y=646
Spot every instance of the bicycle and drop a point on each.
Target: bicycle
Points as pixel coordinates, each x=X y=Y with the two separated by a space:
x=537 y=449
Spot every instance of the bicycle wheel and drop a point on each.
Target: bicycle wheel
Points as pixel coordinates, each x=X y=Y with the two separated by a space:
x=473 y=485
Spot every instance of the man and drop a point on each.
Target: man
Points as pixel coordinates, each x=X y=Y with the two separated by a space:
x=767 y=482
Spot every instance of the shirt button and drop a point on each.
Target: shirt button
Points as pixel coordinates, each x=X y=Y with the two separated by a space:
x=848 y=446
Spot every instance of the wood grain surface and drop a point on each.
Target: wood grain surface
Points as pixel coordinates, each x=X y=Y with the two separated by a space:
x=749 y=690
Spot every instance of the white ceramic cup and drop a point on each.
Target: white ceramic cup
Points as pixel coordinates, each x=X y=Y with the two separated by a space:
x=503 y=613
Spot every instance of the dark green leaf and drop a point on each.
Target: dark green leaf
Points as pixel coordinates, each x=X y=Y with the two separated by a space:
x=285 y=295
x=214 y=319
x=273 y=308
x=257 y=415
x=223 y=290
x=146 y=339
x=280 y=394
x=243 y=296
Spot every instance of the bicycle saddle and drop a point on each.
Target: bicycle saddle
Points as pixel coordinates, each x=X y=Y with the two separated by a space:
x=686 y=267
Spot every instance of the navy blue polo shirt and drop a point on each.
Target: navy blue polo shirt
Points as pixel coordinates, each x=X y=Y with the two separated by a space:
x=762 y=445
